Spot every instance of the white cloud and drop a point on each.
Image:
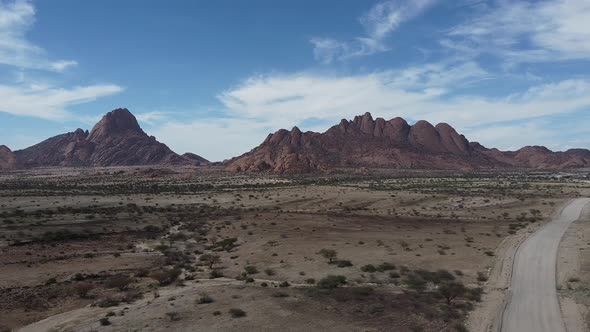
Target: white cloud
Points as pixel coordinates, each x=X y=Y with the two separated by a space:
x=62 y=65
x=264 y=104
x=152 y=118
x=16 y=18
x=511 y=137
x=415 y=93
x=527 y=31
x=285 y=100
x=49 y=102
x=26 y=96
x=213 y=139
x=295 y=98
x=379 y=22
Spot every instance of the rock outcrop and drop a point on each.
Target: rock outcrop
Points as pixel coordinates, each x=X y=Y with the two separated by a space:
x=196 y=158
x=7 y=158
x=116 y=140
x=365 y=142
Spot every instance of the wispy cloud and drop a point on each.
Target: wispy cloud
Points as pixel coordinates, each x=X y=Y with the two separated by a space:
x=26 y=96
x=48 y=102
x=152 y=118
x=526 y=31
x=379 y=23
x=411 y=93
x=16 y=18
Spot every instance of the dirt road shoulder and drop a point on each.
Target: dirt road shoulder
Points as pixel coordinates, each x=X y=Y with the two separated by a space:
x=573 y=274
x=487 y=316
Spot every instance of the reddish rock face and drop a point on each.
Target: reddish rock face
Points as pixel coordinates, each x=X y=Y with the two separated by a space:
x=116 y=140
x=196 y=158
x=364 y=142
x=115 y=123
x=7 y=158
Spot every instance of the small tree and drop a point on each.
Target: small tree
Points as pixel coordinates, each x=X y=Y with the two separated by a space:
x=210 y=259
x=329 y=254
x=83 y=289
x=450 y=291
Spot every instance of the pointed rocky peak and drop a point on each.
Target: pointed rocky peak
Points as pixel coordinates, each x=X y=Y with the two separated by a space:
x=378 y=127
x=80 y=134
x=277 y=137
x=295 y=137
x=115 y=122
x=5 y=149
x=365 y=122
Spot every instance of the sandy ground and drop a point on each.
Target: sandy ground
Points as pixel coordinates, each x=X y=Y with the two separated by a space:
x=469 y=226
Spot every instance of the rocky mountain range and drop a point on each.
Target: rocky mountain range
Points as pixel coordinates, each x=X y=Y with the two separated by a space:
x=116 y=140
x=367 y=142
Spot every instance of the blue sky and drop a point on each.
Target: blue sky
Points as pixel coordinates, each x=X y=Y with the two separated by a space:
x=215 y=77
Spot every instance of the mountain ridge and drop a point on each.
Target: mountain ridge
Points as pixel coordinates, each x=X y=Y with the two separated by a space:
x=116 y=140
x=363 y=142
x=367 y=142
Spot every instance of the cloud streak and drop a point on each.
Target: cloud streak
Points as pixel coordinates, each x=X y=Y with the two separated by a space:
x=26 y=97
x=379 y=23
x=16 y=18
x=526 y=31
x=49 y=102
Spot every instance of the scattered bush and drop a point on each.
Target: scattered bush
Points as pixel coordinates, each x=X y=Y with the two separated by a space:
x=329 y=254
x=210 y=259
x=385 y=267
x=166 y=277
x=250 y=269
x=331 y=282
x=205 y=299
x=82 y=289
x=108 y=302
x=369 y=268
x=343 y=263
x=119 y=281
x=237 y=313
x=173 y=315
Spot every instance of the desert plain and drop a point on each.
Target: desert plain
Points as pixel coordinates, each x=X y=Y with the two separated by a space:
x=201 y=249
